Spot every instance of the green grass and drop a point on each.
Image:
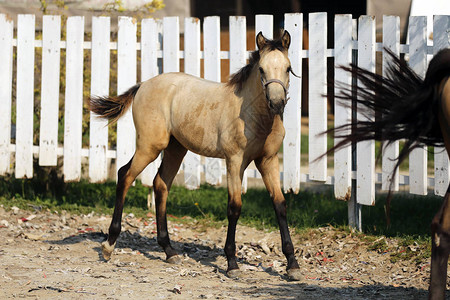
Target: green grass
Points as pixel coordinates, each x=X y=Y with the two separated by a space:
x=410 y=215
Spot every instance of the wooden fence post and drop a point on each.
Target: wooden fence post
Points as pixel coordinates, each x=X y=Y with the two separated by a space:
x=317 y=89
x=211 y=54
x=238 y=58
x=6 y=71
x=25 y=96
x=418 y=179
x=98 y=129
x=51 y=56
x=391 y=41
x=292 y=113
x=192 y=55
x=73 y=104
x=126 y=78
x=365 y=160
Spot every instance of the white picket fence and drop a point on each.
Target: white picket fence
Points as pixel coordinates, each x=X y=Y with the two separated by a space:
x=161 y=39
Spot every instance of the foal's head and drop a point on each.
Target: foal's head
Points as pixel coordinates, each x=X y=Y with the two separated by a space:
x=274 y=67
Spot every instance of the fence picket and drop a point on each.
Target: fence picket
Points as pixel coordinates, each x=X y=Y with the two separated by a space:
x=171 y=44
x=192 y=57
x=48 y=129
x=238 y=58
x=418 y=62
x=292 y=112
x=365 y=162
x=441 y=40
x=342 y=112
x=6 y=61
x=126 y=78
x=211 y=53
x=317 y=102
x=151 y=43
x=98 y=130
x=391 y=41
x=25 y=96
x=73 y=105
x=264 y=24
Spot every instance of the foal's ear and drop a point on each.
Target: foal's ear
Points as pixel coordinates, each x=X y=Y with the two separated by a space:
x=260 y=40
x=286 y=39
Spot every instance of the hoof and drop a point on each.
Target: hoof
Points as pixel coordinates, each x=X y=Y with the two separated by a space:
x=294 y=274
x=234 y=273
x=174 y=260
x=107 y=249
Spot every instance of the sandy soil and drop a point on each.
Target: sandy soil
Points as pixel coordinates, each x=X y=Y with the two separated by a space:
x=52 y=255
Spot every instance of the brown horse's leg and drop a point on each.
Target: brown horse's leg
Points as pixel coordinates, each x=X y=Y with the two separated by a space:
x=126 y=175
x=234 y=181
x=269 y=169
x=172 y=158
x=440 y=236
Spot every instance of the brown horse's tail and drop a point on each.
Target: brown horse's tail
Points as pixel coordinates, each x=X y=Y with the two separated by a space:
x=112 y=108
x=405 y=107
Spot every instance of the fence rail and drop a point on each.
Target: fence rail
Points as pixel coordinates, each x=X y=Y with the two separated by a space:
x=159 y=52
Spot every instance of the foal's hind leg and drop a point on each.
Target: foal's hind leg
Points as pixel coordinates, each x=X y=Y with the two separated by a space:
x=172 y=158
x=440 y=236
x=269 y=169
x=126 y=175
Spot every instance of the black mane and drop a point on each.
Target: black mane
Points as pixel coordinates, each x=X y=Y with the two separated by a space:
x=240 y=77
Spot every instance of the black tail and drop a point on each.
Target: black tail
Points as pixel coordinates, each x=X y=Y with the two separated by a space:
x=112 y=108
x=405 y=105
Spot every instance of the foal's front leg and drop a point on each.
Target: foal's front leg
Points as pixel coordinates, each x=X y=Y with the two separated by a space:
x=440 y=236
x=234 y=181
x=269 y=169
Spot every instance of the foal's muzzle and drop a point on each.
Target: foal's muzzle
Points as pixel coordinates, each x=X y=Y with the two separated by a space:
x=277 y=107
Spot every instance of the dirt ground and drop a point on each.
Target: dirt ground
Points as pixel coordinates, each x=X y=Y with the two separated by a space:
x=53 y=255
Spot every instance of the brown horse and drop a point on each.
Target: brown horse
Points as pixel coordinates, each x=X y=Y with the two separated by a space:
x=239 y=121
x=417 y=110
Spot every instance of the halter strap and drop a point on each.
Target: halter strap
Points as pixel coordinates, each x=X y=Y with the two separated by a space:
x=265 y=84
x=277 y=81
x=274 y=80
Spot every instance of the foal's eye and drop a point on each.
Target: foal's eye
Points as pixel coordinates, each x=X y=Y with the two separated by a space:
x=261 y=70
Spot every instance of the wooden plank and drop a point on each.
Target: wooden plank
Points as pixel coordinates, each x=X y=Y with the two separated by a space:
x=418 y=171
x=151 y=43
x=48 y=127
x=391 y=41
x=192 y=56
x=365 y=161
x=126 y=78
x=317 y=102
x=73 y=106
x=238 y=58
x=441 y=40
x=98 y=130
x=342 y=112
x=25 y=96
x=238 y=43
x=292 y=113
x=211 y=42
x=264 y=24
x=171 y=44
x=6 y=61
